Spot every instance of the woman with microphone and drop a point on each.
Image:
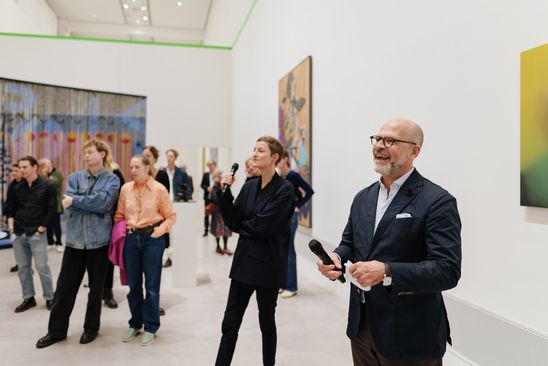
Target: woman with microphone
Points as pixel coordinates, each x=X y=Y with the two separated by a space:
x=260 y=214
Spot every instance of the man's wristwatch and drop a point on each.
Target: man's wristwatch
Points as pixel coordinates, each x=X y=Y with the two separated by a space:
x=387 y=280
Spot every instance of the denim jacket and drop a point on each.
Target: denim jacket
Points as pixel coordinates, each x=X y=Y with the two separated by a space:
x=89 y=218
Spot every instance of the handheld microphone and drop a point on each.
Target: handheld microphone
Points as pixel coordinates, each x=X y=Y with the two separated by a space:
x=316 y=248
x=233 y=171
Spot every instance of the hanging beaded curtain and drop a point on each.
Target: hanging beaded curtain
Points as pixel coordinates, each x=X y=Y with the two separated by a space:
x=53 y=122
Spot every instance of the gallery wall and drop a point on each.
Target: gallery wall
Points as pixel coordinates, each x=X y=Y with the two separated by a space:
x=454 y=68
x=187 y=89
x=27 y=16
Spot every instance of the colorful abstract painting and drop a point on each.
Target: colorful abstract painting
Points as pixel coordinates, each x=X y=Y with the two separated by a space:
x=534 y=127
x=54 y=122
x=295 y=124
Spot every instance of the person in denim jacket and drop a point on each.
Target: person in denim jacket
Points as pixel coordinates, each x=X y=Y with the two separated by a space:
x=89 y=200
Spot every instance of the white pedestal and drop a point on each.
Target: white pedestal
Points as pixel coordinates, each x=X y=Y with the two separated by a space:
x=183 y=242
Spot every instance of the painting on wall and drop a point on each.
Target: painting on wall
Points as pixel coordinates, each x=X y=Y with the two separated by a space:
x=534 y=127
x=55 y=122
x=295 y=124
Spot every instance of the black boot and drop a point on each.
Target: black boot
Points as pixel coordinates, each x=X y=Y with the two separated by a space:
x=109 y=299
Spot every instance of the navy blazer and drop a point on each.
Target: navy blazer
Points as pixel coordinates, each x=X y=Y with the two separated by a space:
x=408 y=320
x=205 y=185
x=261 y=217
x=179 y=177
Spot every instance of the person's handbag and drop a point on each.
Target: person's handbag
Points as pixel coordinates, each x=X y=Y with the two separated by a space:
x=210 y=208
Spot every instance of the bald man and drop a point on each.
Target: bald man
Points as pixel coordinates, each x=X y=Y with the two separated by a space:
x=402 y=248
x=47 y=170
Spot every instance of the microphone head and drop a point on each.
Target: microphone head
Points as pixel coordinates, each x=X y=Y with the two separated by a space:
x=315 y=246
x=234 y=168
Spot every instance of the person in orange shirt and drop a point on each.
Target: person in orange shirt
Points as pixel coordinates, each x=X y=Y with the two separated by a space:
x=148 y=211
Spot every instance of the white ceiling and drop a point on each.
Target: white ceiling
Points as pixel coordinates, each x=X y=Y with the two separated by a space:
x=174 y=21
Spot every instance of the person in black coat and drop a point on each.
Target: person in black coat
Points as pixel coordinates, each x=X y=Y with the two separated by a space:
x=108 y=296
x=260 y=215
x=207 y=186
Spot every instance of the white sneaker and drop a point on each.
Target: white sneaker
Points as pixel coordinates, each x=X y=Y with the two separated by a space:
x=59 y=248
x=287 y=294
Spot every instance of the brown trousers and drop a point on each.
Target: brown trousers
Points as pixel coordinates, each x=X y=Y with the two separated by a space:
x=364 y=352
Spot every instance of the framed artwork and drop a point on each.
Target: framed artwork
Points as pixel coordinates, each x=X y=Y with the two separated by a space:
x=295 y=124
x=54 y=122
x=534 y=127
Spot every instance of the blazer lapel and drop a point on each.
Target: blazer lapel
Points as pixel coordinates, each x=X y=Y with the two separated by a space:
x=371 y=211
x=404 y=196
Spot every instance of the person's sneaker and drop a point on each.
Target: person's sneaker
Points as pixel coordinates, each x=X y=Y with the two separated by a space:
x=281 y=291
x=26 y=305
x=49 y=304
x=168 y=263
x=162 y=312
x=14 y=268
x=205 y=234
x=148 y=338
x=227 y=251
x=130 y=335
x=59 y=248
x=219 y=250
x=287 y=294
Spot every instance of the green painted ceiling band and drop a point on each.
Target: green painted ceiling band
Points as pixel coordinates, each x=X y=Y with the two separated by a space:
x=244 y=23
x=222 y=48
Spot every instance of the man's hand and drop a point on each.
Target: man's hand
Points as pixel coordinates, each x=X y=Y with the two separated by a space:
x=67 y=201
x=328 y=270
x=367 y=273
x=155 y=234
x=41 y=229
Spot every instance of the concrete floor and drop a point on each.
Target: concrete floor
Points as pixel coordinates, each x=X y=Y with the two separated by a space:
x=311 y=325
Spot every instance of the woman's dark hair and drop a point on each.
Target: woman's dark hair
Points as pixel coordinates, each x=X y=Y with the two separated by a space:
x=153 y=150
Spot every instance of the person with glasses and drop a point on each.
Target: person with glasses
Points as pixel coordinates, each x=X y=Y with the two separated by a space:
x=402 y=244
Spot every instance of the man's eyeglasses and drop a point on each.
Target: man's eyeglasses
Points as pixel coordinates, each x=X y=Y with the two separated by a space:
x=387 y=141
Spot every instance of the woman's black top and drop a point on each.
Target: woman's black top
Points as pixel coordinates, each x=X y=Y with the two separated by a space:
x=163 y=178
x=261 y=217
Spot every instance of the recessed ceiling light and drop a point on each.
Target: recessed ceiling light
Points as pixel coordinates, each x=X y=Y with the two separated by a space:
x=143 y=8
x=133 y=0
x=179 y=3
x=145 y=18
x=126 y=6
x=138 y=21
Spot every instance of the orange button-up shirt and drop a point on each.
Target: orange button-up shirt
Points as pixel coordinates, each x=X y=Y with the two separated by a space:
x=146 y=204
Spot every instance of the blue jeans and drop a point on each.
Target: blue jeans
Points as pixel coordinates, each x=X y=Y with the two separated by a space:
x=143 y=255
x=292 y=257
x=25 y=248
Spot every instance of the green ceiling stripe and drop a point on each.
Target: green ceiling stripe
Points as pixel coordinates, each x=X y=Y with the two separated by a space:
x=223 y=48
x=244 y=23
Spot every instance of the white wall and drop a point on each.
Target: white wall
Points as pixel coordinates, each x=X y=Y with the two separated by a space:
x=27 y=16
x=453 y=67
x=225 y=21
x=187 y=89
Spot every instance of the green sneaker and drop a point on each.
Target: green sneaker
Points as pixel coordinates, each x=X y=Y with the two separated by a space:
x=130 y=335
x=148 y=338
